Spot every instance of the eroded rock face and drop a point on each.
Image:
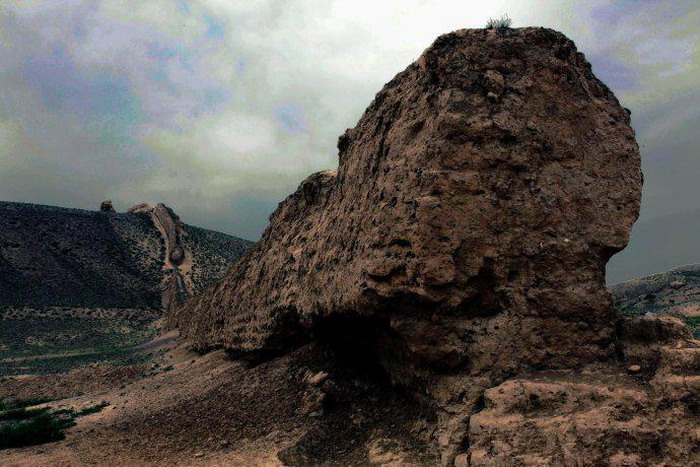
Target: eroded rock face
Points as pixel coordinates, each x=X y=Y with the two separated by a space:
x=473 y=211
x=595 y=417
x=464 y=236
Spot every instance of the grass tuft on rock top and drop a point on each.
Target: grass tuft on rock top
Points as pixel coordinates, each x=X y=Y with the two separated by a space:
x=22 y=426
x=502 y=23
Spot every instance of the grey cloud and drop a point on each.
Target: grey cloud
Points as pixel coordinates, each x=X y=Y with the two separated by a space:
x=220 y=108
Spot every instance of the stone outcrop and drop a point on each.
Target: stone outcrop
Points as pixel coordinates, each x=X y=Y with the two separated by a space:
x=473 y=211
x=106 y=206
x=463 y=241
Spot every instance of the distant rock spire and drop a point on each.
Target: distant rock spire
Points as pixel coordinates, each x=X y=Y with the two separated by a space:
x=106 y=206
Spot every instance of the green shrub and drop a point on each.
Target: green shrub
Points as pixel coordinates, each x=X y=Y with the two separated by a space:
x=20 y=426
x=20 y=413
x=92 y=409
x=501 y=23
x=693 y=323
x=19 y=403
x=40 y=429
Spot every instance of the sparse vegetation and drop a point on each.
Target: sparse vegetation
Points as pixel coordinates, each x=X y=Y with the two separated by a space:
x=20 y=403
x=20 y=413
x=91 y=410
x=693 y=323
x=504 y=22
x=21 y=426
x=672 y=292
x=55 y=344
x=214 y=254
x=43 y=428
x=78 y=258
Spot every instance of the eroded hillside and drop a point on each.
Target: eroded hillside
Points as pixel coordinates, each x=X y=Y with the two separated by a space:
x=80 y=286
x=674 y=293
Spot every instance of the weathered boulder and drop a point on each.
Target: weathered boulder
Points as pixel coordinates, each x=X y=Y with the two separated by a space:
x=463 y=238
x=475 y=206
x=106 y=206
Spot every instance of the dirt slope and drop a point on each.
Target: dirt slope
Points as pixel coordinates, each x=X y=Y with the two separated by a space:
x=51 y=256
x=79 y=287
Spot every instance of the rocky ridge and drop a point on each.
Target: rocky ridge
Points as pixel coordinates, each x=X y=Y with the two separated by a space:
x=176 y=284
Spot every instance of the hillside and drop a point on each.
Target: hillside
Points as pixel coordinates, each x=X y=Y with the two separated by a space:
x=675 y=292
x=51 y=256
x=54 y=256
x=79 y=287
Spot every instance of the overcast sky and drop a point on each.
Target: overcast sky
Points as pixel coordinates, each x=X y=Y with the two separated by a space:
x=219 y=108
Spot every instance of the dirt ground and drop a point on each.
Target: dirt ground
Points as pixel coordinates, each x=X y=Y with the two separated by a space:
x=189 y=409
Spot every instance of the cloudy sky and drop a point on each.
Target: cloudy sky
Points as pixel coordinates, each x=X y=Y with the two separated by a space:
x=220 y=108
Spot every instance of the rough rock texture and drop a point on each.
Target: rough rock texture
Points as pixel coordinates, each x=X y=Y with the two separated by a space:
x=477 y=230
x=463 y=238
x=596 y=416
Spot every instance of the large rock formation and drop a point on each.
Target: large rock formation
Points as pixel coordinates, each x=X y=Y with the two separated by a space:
x=473 y=211
x=462 y=243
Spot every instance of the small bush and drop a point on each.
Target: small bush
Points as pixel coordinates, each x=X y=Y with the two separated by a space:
x=20 y=413
x=501 y=23
x=19 y=403
x=693 y=323
x=92 y=409
x=20 y=426
x=43 y=428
